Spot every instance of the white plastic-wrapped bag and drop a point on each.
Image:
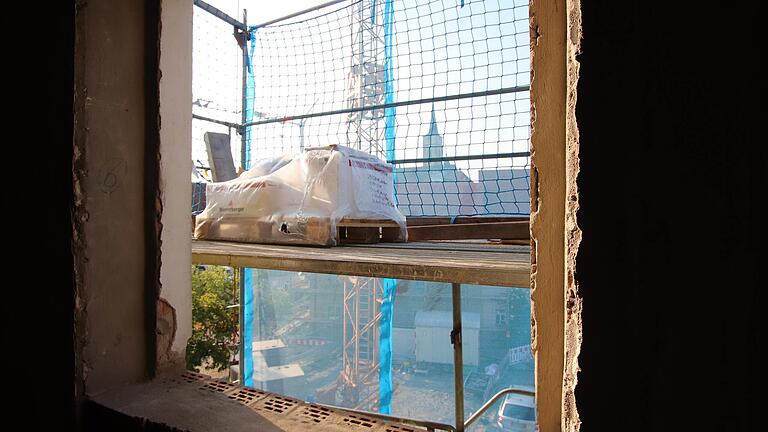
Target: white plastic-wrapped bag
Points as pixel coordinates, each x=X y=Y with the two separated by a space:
x=300 y=200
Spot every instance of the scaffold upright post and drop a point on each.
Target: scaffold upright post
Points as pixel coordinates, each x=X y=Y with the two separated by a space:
x=458 y=361
x=244 y=120
x=241 y=270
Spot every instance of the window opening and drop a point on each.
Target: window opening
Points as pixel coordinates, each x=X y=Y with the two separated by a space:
x=439 y=90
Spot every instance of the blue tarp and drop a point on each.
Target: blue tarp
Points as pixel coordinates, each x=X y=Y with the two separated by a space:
x=388 y=300
x=247 y=330
x=389 y=285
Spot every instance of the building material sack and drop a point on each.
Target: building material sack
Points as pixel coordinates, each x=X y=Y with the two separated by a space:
x=301 y=199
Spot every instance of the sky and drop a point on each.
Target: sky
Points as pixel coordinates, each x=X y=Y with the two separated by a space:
x=260 y=11
x=439 y=50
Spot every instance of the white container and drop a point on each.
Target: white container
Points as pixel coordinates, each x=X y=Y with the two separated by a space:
x=433 y=337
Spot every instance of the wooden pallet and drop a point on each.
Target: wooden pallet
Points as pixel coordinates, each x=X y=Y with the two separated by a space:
x=317 y=231
x=368 y=231
x=513 y=232
x=363 y=231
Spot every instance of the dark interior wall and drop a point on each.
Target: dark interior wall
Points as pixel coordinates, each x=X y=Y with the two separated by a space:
x=671 y=266
x=37 y=287
x=44 y=379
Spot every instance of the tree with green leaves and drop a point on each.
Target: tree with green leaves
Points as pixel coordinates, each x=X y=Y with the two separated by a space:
x=214 y=325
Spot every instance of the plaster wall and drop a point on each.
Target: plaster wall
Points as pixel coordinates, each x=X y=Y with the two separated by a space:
x=548 y=161
x=175 y=169
x=109 y=249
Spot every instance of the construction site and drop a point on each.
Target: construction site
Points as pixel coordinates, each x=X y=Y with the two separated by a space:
x=308 y=347
x=427 y=107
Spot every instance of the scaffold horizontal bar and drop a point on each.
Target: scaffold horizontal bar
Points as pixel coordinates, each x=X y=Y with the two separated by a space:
x=460 y=158
x=295 y=14
x=500 y=91
x=221 y=122
x=219 y=14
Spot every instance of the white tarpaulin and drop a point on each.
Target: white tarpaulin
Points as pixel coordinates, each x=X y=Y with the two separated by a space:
x=300 y=200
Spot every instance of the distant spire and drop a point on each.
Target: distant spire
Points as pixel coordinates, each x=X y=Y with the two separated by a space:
x=432 y=146
x=433 y=124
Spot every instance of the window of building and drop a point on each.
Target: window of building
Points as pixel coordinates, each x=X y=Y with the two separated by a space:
x=419 y=197
x=440 y=91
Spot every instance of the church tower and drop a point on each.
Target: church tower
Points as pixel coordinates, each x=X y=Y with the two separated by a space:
x=432 y=146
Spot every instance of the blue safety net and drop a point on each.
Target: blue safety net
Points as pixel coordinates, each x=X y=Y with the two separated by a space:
x=458 y=74
x=441 y=92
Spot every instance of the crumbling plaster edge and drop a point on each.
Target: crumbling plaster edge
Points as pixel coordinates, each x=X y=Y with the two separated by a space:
x=153 y=194
x=174 y=80
x=573 y=302
x=78 y=212
x=555 y=306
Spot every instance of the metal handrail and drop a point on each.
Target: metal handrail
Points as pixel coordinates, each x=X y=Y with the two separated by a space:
x=492 y=400
x=431 y=426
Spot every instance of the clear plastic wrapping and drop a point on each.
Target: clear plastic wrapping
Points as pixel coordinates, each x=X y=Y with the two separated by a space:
x=301 y=199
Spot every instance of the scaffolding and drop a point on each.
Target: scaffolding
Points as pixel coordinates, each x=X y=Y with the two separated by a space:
x=325 y=76
x=363 y=297
x=359 y=378
x=365 y=89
